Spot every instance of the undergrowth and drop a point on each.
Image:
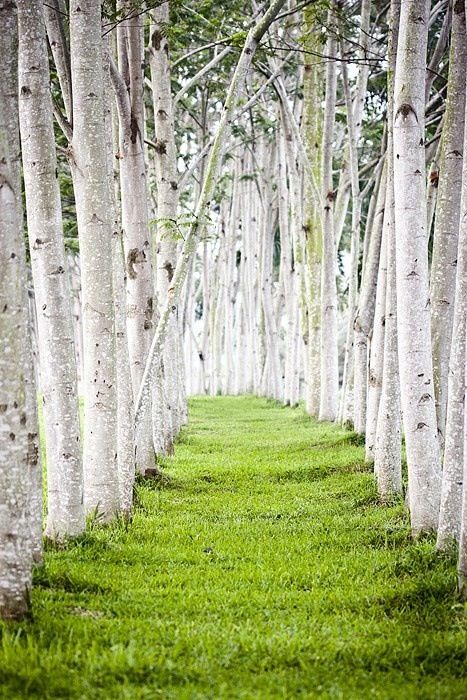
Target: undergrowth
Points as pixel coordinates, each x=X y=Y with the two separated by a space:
x=260 y=565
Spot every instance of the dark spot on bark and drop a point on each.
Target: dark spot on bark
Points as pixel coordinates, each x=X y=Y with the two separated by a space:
x=417 y=172
x=22 y=420
x=120 y=334
x=174 y=185
x=201 y=356
x=3 y=407
x=58 y=271
x=134 y=129
x=25 y=91
x=156 y=39
x=412 y=274
x=160 y=147
x=15 y=404
x=5 y=308
x=92 y=94
x=174 y=308
x=166 y=49
x=134 y=256
x=12 y=437
x=404 y=110
x=424 y=398
x=247 y=51
x=458 y=154
x=13 y=256
x=149 y=308
x=434 y=178
x=420 y=426
x=169 y=269
x=38 y=242
x=44 y=306
x=147 y=325
x=330 y=196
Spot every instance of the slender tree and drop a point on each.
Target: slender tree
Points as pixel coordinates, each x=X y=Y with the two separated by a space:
x=65 y=514
x=415 y=360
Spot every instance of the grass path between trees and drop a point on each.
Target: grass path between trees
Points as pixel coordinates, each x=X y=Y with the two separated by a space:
x=261 y=566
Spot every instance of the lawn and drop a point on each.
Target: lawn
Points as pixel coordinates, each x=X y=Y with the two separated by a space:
x=260 y=566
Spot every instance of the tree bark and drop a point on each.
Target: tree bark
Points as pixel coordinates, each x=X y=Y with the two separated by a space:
x=413 y=311
x=65 y=514
x=89 y=160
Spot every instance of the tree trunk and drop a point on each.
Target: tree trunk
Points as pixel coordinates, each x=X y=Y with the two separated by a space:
x=413 y=309
x=134 y=203
x=65 y=514
x=89 y=160
x=16 y=551
x=446 y=233
x=329 y=359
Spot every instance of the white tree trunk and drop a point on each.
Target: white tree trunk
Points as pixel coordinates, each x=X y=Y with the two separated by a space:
x=413 y=308
x=388 y=431
x=446 y=233
x=134 y=208
x=65 y=514
x=89 y=159
x=15 y=423
x=453 y=510
x=329 y=359
x=165 y=164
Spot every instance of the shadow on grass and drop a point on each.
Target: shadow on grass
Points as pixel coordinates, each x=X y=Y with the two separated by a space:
x=65 y=582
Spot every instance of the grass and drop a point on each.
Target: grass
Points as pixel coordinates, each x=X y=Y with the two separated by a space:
x=260 y=566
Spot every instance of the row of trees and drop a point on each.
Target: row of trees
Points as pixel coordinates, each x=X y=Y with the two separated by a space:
x=278 y=316
x=275 y=205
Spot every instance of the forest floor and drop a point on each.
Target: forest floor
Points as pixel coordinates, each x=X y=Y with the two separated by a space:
x=260 y=566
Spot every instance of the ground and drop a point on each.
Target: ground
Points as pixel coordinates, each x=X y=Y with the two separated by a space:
x=260 y=566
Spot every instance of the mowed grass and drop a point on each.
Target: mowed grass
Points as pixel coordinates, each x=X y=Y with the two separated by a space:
x=260 y=566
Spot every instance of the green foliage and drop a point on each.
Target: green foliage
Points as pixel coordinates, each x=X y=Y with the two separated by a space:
x=260 y=566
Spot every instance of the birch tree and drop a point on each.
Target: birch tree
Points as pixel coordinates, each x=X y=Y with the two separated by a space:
x=17 y=480
x=446 y=232
x=329 y=357
x=91 y=184
x=65 y=514
x=415 y=360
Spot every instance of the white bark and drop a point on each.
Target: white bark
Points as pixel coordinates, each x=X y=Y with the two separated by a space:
x=329 y=358
x=453 y=512
x=89 y=158
x=165 y=165
x=15 y=496
x=388 y=430
x=413 y=309
x=65 y=514
x=134 y=211
x=446 y=233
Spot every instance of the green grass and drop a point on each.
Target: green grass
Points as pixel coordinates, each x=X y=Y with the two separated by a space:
x=261 y=566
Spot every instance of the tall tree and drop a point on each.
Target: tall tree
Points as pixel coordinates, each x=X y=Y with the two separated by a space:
x=94 y=214
x=65 y=514
x=17 y=477
x=446 y=233
x=413 y=311
x=329 y=357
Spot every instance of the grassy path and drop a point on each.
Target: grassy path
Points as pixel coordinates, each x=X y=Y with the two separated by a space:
x=261 y=567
